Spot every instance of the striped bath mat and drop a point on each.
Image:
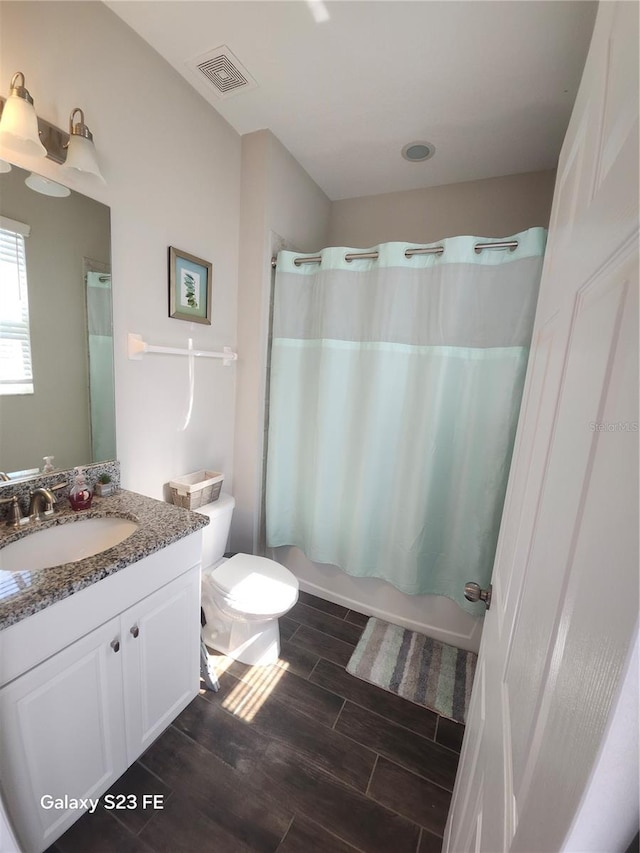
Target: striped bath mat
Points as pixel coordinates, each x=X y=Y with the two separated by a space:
x=415 y=667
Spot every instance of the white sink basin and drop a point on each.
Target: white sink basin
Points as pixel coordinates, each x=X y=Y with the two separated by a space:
x=65 y=543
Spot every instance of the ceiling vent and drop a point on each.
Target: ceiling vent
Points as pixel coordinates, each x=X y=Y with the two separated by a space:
x=222 y=72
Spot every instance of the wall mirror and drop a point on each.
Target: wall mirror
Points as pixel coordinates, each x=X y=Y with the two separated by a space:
x=55 y=323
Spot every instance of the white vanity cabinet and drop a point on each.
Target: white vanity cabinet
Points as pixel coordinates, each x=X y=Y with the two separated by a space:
x=71 y=724
x=62 y=734
x=160 y=648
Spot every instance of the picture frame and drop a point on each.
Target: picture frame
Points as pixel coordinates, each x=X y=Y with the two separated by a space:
x=190 y=285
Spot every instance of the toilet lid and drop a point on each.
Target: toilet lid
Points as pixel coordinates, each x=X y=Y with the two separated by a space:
x=256 y=585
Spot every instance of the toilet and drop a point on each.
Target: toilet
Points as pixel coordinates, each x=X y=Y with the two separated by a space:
x=242 y=596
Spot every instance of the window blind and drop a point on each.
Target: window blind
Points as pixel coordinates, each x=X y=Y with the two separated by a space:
x=16 y=375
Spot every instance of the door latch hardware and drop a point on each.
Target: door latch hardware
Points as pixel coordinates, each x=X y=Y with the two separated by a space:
x=472 y=592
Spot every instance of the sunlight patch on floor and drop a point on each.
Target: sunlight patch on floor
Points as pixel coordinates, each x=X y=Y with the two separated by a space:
x=250 y=694
x=221 y=663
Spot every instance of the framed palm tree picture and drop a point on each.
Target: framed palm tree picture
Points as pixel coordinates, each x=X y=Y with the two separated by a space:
x=189 y=287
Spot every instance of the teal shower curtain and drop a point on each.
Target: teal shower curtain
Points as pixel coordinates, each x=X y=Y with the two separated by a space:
x=395 y=388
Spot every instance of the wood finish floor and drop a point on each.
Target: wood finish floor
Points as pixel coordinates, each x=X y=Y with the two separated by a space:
x=300 y=757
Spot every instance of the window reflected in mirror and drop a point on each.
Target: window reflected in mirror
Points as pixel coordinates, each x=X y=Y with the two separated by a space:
x=15 y=340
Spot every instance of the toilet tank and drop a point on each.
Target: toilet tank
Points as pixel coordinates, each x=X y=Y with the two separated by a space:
x=216 y=533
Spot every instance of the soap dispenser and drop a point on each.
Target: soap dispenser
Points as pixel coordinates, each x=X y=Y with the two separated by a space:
x=80 y=496
x=48 y=466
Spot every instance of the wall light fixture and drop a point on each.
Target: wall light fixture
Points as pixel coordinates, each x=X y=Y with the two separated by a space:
x=81 y=152
x=19 y=122
x=23 y=132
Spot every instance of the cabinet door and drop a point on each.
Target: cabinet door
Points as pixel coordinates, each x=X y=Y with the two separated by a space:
x=161 y=645
x=62 y=735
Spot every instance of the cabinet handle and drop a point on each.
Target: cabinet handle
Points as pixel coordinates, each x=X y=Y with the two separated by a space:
x=115 y=645
x=135 y=631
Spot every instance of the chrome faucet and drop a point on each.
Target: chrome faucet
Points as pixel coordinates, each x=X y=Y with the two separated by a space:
x=38 y=498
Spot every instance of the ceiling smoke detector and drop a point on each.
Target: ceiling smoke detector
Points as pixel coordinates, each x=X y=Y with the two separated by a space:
x=418 y=152
x=223 y=72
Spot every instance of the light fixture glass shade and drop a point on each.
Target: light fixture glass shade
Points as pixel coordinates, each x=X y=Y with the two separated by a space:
x=19 y=123
x=81 y=156
x=4 y=166
x=44 y=186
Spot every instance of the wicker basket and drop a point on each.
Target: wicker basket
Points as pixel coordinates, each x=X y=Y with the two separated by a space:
x=197 y=489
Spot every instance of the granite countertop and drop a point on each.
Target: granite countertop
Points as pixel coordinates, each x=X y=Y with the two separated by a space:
x=26 y=592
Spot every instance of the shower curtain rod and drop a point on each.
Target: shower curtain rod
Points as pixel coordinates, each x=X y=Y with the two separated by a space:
x=432 y=250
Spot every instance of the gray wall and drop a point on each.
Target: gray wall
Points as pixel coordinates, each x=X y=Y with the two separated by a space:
x=496 y=207
x=172 y=166
x=280 y=206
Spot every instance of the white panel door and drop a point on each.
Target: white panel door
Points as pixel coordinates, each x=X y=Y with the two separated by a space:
x=161 y=645
x=62 y=734
x=565 y=584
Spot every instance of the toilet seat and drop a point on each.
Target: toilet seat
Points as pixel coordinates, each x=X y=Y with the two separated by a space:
x=255 y=586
